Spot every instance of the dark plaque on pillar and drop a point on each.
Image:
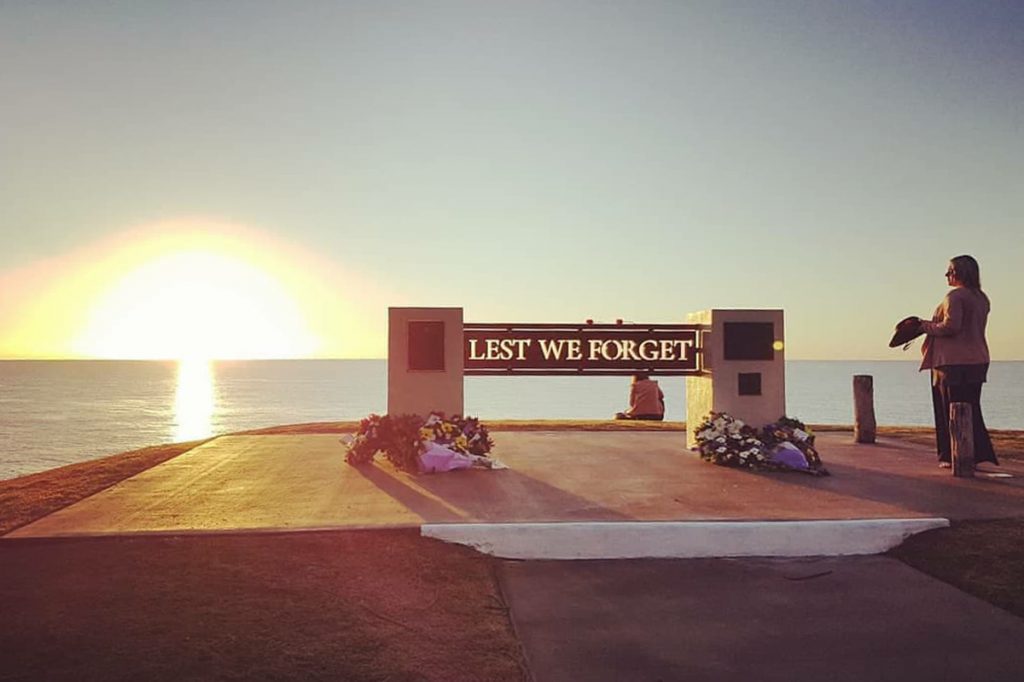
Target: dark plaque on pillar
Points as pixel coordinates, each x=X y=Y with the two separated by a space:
x=750 y=383
x=749 y=341
x=426 y=345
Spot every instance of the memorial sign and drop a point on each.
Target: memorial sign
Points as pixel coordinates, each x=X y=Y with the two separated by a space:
x=733 y=359
x=575 y=349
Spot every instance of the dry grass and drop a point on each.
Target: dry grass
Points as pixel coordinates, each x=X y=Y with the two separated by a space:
x=1008 y=444
x=311 y=427
x=581 y=425
x=984 y=558
x=494 y=425
x=380 y=605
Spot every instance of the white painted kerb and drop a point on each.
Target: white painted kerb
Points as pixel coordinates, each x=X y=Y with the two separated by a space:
x=681 y=539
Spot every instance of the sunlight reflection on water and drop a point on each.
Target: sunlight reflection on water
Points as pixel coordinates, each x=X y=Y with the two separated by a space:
x=193 y=400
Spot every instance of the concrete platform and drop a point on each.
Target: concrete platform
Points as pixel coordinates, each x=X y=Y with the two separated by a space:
x=300 y=482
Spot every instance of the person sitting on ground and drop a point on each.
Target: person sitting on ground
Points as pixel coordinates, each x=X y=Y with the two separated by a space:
x=646 y=401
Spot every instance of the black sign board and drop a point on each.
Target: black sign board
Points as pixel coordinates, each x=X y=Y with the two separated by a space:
x=749 y=341
x=591 y=349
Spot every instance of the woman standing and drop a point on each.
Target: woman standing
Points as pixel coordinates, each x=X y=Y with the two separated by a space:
x=956 y=352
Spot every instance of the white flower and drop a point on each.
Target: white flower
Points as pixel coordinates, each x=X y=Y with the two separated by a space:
x=801 y=435
x=720 y=450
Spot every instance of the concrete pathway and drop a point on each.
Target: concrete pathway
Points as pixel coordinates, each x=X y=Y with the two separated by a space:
x=787 y=620
x=294 y=482
x=566 y=495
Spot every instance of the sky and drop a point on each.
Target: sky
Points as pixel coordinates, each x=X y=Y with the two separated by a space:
x=263 y=179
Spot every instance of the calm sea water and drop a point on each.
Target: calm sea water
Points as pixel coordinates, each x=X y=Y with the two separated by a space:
x=58 y=412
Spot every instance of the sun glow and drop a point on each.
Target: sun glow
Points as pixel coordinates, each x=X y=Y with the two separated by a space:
x=196 y=289
x=196 y=292
x=196 y=304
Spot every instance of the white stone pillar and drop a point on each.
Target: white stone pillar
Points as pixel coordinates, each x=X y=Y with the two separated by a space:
x=425 y=360
x=745 y=368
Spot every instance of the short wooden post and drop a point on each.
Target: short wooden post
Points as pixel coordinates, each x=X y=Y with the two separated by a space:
x=961 y=439
x=863 y=408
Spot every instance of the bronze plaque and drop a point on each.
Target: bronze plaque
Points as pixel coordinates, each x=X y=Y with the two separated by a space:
x=426 y=345
x=749 y=383
x=749 y=340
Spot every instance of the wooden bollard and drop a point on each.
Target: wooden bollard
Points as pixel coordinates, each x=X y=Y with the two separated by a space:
x=863 y=408
x=961 y=439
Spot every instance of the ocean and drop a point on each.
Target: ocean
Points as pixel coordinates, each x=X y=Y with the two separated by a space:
x=58 y=412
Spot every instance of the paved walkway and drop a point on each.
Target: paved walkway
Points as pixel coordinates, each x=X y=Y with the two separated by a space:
x=787 y=620
x=295 y=482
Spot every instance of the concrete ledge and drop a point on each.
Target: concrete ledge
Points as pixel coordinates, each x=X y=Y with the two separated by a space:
x=681 y=539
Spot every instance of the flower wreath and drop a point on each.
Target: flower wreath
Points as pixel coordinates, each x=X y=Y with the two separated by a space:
x=404 y=437
x=722 y=439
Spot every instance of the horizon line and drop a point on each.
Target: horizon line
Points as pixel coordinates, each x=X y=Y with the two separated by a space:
x=284 y=359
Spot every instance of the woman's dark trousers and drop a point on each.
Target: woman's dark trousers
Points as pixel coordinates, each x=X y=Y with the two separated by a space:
x=942 y=395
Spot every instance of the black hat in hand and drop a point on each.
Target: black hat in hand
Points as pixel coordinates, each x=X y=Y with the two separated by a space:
x=907 y=329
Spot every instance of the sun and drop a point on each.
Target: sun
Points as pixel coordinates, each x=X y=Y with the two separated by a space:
x=195 y=301
x=193 y=288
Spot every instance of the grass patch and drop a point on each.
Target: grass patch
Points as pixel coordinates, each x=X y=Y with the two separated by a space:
x=364 y=605
x=311 y=427
x=983 y=558
x=1007 y=443
x=492 y=425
